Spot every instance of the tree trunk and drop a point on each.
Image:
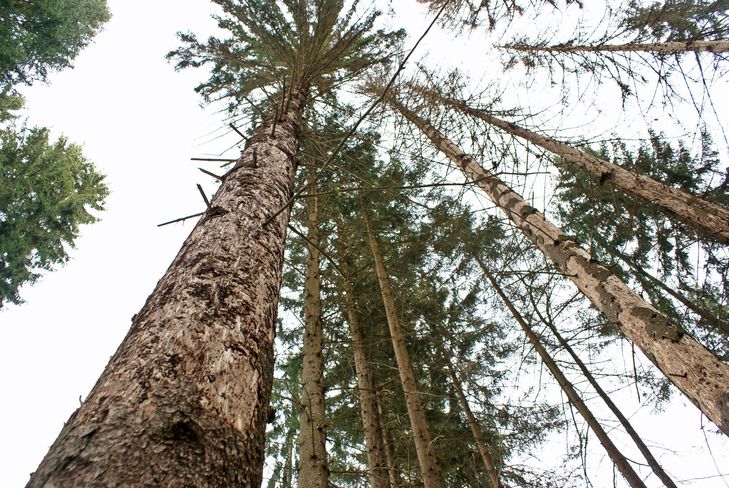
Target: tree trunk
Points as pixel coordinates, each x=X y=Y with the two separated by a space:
x=615 y=455
x=429 y=467
x=701 y=214
x=183 y=401
x=654 y=47
x=392 y=467
x=313 y=472
x=694 y=370
x=370 y=418
x=647 y=454
x=488 y=461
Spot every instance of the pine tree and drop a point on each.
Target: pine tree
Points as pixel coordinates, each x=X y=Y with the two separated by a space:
x=184 y=399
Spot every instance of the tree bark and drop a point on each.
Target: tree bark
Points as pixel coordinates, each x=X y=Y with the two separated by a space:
x=654 y=47
x=313 y=471
x=647 y=454
x=430 y=470
x=707 y=217
x=488 y=461
x=183 y=401
x=392 y=466
x=615 y=455
x=368 y=406
x=694 y=370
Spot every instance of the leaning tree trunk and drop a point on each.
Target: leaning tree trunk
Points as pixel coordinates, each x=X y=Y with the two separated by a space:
x=313 y=471
x=488 y=460
x=699 y=374
x=653 y=47
x=392 y=467
x=704 y=216
x=376 y=461
x=637 y=440
x=620 y=461
x=183 y=401
x=430 y=470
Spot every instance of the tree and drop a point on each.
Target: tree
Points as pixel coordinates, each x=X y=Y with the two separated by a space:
x=184 y=399
x=704 y=379
x=42 y=36
x=46 y=190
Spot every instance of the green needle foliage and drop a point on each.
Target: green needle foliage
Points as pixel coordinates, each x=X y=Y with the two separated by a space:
x=40 y=36
x=46 y=190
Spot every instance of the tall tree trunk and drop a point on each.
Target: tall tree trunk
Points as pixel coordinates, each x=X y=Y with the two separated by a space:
x=183 y=401
x=703 y=215
x=313 y=471
x=647 y=454
x=288 y=470
x=432 y=477
x=654 y=47
x=700 y=375
x=368 y=406
x=615 y=455
x=392 y=466
x=488 y=461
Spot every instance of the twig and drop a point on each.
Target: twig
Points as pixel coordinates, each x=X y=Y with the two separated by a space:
x=210 y=173
x=181 y=219
x=237 y=131
x=225 y=160
x=202 y=192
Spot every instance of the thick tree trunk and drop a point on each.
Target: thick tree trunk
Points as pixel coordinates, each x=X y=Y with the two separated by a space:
x=615 y=455
x=368 y=405
x=694 y=370
x=183 y=401
x=430 y=470
x=647 y=454
x=488 y=461
x=313 y=471
x=654 y=47
x=707 y=217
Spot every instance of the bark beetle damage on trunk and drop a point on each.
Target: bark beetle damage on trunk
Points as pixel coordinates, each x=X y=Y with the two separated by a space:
x=694 y=370
x=183 y=400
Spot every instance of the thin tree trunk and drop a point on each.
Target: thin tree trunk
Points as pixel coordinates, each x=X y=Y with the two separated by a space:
x=615 y=455
x=697 y=212
x=392 y=466
x=700 y=375
x=647 y=454
x=313 y=471
x=370 y=420
x=183 y=401
x=430 y=470
x=654 y=47
x=288 y=471
x=488 y=461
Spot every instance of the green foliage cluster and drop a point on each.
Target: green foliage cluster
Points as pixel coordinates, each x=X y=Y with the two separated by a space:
x=678 y=20
x=45 y=190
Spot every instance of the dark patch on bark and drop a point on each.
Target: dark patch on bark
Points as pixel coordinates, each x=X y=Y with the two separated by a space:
x=658 y=325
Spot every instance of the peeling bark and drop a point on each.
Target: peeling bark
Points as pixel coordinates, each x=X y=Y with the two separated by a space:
x=313 y=471
x=616 y=456
x=183 y=401
x=430 y=470
x=706 y=217
x=694 y=370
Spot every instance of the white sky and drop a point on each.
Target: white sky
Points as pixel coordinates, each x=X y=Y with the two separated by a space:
x=140 y=122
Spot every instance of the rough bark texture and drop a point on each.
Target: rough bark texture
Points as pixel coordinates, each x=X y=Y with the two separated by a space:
x=655 y=47
x=707 y=217
x=647 y=454
x=700 y=375
x=183 y=401
x=313 y=471
x=615 y=455
x=430 y=470
x=370 y=419
x=488 y=461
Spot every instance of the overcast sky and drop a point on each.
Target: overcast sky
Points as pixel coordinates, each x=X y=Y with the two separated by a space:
x=140 y=122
